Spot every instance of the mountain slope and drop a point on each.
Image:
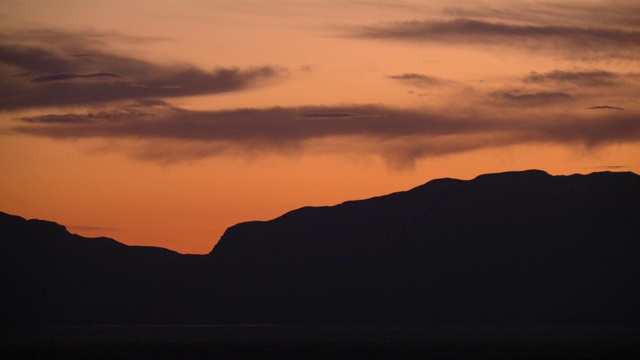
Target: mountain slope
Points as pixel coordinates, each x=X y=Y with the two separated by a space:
x=50 y=276
x=511 y=249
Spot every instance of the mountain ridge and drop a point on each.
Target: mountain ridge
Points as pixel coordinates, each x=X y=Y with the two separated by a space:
x=462 y=217
x=516 y=249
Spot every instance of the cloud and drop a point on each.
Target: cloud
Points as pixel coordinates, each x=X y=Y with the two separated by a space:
x=271 y=125
x=75 y=40
x=59 y=77
x=164 y=133
x=327 y=115
x=615 y=13
x=586 y=86
x=417 y=80
x=594 y=78
x=613 y=167
x=42 y=74
x=604 y=107
x=575 y=41
x=542 y=98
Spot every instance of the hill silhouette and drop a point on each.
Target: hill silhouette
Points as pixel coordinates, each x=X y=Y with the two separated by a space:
x=510 y=249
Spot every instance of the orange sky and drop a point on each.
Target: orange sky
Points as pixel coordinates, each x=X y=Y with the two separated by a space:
x=163 y=123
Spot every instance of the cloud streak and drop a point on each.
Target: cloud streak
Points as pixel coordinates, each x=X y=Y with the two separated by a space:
x=593 y=78
x=574 y=40
x=541 y=98
x=417 y=80
x=59 y=77
x=604 y=107
x=54 y=74
x=399 y=136
x=615 y=13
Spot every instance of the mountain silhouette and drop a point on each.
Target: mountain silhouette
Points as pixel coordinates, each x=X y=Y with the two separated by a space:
x=510 y=249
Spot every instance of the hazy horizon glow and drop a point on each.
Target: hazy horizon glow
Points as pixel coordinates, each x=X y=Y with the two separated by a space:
x=162 y=124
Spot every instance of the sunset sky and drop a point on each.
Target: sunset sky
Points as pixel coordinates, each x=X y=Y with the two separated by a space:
x=163 y=122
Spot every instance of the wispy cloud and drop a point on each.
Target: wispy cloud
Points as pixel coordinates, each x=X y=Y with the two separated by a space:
x=84 y=39
x=576 y=41
x=59 y=77
x=616 y=13
x=613 y=167
x=399 y=136
x=604 y=107
x=417 y=80
x=520 y=98
x=593 y=78
x=58 y=74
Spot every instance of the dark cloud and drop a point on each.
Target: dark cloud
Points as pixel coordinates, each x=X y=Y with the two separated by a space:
x=59 y=77
x=417 y=80
x=582 y=78
x=327 y=115
x=54 y=76
x=58 y=119
x=604 y=107
x=399 y=136
x=573 y=40
x=532 y=99
x=615 y=13
x=244 y=125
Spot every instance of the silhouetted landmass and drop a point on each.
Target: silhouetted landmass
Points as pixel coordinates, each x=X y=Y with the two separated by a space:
x=50 y=276
x=506 y=249
x=518 y=249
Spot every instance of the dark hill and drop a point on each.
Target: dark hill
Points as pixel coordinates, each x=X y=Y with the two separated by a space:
x=52 y=277
x=510 y=249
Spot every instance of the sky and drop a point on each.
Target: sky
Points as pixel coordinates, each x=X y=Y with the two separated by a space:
x=162 y=123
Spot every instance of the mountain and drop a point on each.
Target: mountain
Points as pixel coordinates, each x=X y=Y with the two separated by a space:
x=516 y=248
x=510 y=249
x=50 y=276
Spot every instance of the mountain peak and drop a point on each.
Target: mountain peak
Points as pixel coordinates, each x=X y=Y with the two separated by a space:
x=531 y=173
